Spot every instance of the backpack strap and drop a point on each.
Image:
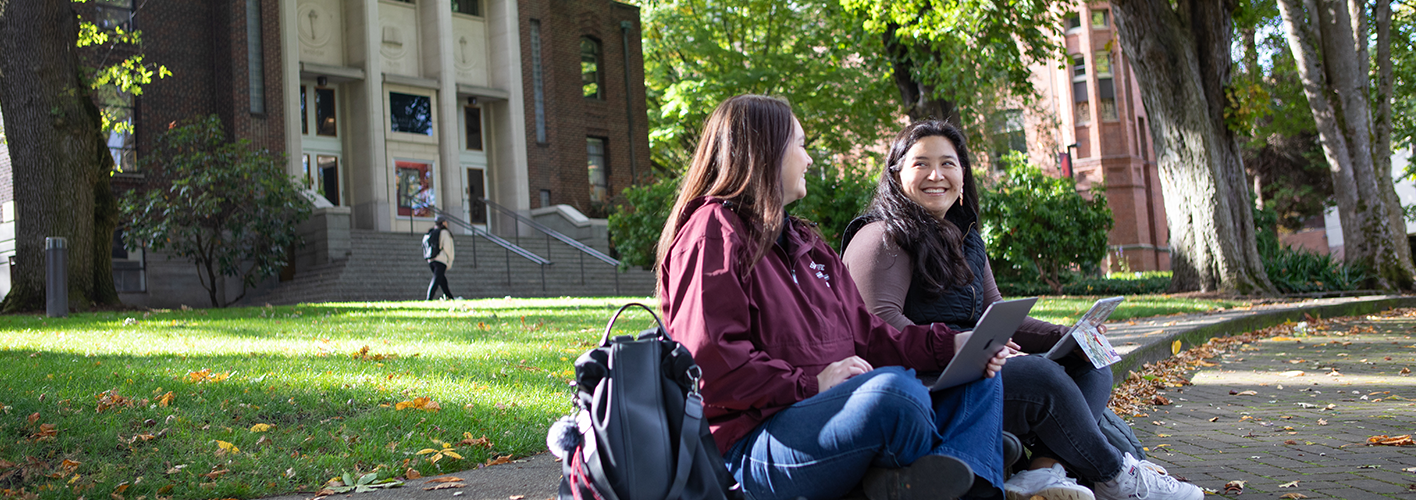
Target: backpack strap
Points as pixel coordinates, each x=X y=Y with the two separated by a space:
x=688 y=442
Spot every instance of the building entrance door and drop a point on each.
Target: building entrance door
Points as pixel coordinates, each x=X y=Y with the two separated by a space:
x=476 y=190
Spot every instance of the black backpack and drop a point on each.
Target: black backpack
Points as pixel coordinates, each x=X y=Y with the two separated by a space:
x=639 y=432
x=432 y=244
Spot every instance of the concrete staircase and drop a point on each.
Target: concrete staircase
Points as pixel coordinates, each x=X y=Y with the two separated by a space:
x=389 y=266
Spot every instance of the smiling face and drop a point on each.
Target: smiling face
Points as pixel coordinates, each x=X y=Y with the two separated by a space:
x=794 y=164
x=931 y=175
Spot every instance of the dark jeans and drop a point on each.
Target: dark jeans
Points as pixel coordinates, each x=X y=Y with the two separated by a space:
x=821 y=447
x=1054 y=408
x=439 y=280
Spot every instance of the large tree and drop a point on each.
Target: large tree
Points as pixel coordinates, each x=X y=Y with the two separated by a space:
x=1330 y=40
x=960 y=60
x=699 y=53
x=1179 y=51
x=60 y=162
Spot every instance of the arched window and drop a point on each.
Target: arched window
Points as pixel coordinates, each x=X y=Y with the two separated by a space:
x=590 y=67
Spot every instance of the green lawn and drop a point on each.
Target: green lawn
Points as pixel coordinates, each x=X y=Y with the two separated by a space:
x=83 y=397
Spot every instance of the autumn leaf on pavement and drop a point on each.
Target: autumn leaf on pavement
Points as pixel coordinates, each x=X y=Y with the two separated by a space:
x=445 y=486
x=1246 y=393
x=1293 y=496
x=446 y=479
x=1384 y=440
x=497 y=461
x=1290 y=484
x=412 y=473
x=1235 y=487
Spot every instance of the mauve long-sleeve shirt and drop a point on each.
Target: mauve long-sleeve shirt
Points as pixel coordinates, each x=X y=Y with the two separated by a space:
x=762 y=337
x=882 y=271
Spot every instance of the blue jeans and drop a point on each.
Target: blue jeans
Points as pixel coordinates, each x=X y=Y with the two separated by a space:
x=821 y=447
x=1054 y=407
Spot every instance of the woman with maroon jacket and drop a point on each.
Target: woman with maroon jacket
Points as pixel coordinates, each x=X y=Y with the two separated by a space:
x=805 y=390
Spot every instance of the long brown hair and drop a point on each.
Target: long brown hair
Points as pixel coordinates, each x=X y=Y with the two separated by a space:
x=936 y=246
x=739 y=159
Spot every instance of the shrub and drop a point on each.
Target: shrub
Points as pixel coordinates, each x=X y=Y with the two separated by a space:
x=1031 y=219
x=228 y=208
x=1295 y=270
x=835 y=196
x=635 y=224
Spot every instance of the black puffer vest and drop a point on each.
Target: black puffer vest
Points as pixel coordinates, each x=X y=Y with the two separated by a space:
x=958 y=307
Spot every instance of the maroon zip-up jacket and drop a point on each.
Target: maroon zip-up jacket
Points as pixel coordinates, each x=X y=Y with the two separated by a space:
x=762 y=338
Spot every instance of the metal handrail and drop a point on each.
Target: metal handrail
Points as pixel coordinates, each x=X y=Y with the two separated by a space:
x=502 y=242
x=551 y=233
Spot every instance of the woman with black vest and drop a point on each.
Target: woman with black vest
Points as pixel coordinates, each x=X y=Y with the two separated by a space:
x=917 y=257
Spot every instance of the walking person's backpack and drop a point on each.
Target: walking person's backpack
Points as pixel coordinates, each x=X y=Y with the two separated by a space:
x=639 y=432
x=432 y=243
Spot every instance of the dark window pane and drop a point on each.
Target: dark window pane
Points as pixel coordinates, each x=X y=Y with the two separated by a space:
x=1074 y=21
x=328 y=178
x=590 y=67
x=1079 y=91
x=1105 y=90
x=473 y=117
x=412 y=114
x=114 y=17
x=476 y=190
x=324 y=113
x=470 y=7
x=599 y=170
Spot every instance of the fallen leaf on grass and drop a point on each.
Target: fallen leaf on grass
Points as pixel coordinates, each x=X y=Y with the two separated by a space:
x=437 y=454
x=34 y=417
x=224 y=447
x=176 y=468
x=1235 y=487
x=206 y=376
x=445 y=486
x=165 y=399
x=412 y=473
x=1293 y=496
x=215 y=474
x=111 y=399
x=1384 y=440
x=467 y=440
x=420 y=403
x=260 y=427
x=46 y=432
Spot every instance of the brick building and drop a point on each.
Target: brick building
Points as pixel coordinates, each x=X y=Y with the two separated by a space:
x=386 y=108
x=1090 y=122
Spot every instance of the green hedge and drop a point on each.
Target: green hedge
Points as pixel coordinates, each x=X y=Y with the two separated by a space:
x=1089 y=286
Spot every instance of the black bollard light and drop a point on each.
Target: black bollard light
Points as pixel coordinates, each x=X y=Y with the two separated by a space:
x=56 y=277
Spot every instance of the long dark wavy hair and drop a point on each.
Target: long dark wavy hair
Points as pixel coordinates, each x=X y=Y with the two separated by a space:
x=739 y=159
x=936 y=246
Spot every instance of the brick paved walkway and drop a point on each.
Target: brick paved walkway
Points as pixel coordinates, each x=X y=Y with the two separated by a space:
x=1255 y=418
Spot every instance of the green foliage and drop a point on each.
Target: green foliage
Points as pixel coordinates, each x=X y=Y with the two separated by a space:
x=229 y=209
x=1034 y=220
x=635 y=225
x=969 y=52
x=1403 y=65
x=835 y=195
x=696 y=54
x=123 y=77
x=1076 y=285
x=1296 y=270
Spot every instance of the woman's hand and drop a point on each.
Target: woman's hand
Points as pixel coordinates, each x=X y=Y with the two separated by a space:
x=999 y=358
x=838 y=372
x=1014 y=350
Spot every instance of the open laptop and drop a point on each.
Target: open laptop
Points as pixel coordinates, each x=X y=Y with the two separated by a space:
x=990 y=334
x=1098 y=349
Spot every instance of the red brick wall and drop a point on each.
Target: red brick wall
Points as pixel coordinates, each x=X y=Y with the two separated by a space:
x=559 y=164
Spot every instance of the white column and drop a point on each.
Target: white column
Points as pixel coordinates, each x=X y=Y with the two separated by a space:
x=508 y=182
x=435 y=20
x=365 y=152
x=290 y=82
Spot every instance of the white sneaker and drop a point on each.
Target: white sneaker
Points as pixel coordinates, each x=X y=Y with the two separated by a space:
x=1141 y=482
x=1154 y=466
x=1050 y=484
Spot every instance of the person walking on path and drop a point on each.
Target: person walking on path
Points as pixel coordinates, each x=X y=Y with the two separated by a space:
x=438 y=251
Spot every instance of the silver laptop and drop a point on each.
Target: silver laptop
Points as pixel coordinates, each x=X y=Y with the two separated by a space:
x=992 y=332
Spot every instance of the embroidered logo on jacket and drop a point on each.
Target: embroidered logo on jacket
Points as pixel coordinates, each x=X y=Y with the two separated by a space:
x=820 y=272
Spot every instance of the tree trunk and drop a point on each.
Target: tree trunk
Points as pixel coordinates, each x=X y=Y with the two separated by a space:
x=1329 y=44
x=58 y=156
x=918 y=98
x=1180 y=56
